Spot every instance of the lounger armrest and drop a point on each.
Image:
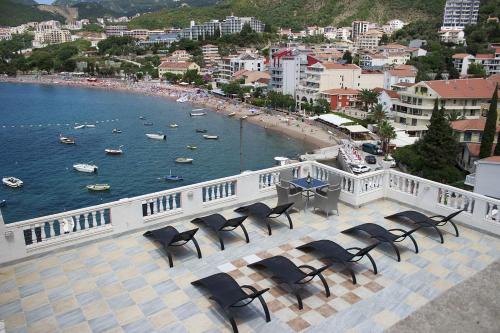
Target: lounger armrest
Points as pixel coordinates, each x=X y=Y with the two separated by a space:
x=435 y=216
x=184 y=236
x=353 y=248
x=278 y=210
x=255 y=293
x=397 y=229
x=314 y=271
x=234 y=222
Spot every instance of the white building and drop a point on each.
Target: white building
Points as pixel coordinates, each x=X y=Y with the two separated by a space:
x=287 y=68
x=489 y=61
x=460 y=13
x=485 y=179
x=344 y=33
x=396 y=25
x=115 y=30
x=48 y=25
x=358 y=28
x=45 y=38
x=400 y=74
x=5 y=34
x=461 y=62
x=453 y=36
x=368 y=40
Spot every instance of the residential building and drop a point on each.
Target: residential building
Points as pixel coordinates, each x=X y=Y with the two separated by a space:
x=5 y=34
x=414 y=109
x=489 y=61
x=42 y=39
x=341 y=99
x=176 y=67
x=452 y=36
x=368 y=40
x=287 y=68
x=254 y=78
x=161 y=38
x=392 y=48
x=202 y=31
x=210 y=54
x=461 y=62
x=48 y=26
x=115 y=30
x=485 y=180
x=396 y=25
x=358 y=28
x=399 y=74
x=344 y=33
x=380 y=60
x=460 y=13
x=387 y=98
x=469 y=133
x=234 y=24
x=234 y=63
x=230 y=25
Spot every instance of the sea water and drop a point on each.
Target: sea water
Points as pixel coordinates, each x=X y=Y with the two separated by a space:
x=33 y=116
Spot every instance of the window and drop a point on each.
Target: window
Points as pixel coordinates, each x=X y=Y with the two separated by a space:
x=472 y=113
x=467 y=136
x=414 y=122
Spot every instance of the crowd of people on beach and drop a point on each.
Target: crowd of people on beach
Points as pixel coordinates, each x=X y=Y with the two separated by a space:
x=290 y=125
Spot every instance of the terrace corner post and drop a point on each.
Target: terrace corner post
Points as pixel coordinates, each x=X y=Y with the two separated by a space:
x=12 y=244
x=126 y=215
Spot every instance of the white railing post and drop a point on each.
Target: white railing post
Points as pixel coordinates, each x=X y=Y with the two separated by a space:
x=12 y=244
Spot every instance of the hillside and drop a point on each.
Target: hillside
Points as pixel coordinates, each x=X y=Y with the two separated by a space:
x=16 y=13
x=131 y=7
x=93 y=10
x=299 y=13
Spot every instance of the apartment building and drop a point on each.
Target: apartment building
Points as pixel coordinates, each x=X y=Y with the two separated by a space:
x=341 y=99
x=399 y=74
x=379 y=60
x=42 y=39
x=210 y=54
x=234 y=24
x=115 y=30
x=234 y=63
x=452 y=36
x=358 y=28
x=459 y=13
x=368 y=40
x=490 y=62
x=414 y=109
x=179 y=67
x=5 y=34
x=461 y=62
x=230 y=25
x=287 y=68
x=47 y=26
x=202 y=31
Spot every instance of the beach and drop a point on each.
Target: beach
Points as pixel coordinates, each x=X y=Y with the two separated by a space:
x=288 y=125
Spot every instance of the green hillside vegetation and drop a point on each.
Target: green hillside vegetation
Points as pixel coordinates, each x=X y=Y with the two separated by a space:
x=297 y=14
x=93 y=10
x=14 y=13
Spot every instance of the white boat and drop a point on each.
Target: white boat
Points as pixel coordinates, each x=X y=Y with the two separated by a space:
x=116 y=131
x=89 y=126
x=84 y=126
x=173 y=125
x=110 y=151
x=281 y=160
x=211 y=137
x=87 y=168
x=182 y=99
x=98 y=187
x=232 y=114
x=197 y=110
x=12 y=182
x=66 y=140
x=157 y=136
x=197 y=114
x=184 y=160
x=79 y=127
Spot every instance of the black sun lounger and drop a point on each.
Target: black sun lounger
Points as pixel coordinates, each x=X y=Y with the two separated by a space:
x=426 y=221
x=383 y=235
x=335 y=253
x=228 y=294
x=169 y=236
x=263 y=212
x=284 y=271
x=219 y=224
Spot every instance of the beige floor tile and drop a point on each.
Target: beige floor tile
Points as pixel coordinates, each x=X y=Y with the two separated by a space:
x=79 y=328
x=55 y=281
x=9 y=296
x=112 y=290
x=198 y=323
x=48 y=325
x=25 y=279
x=162 y=319
x=143 y=295
x=34 y=301
x=65 y=304
x=14 y=321
x=95 y=309
x=386 y=318
x=128 y=314
x=175 y=298
x=84 y=286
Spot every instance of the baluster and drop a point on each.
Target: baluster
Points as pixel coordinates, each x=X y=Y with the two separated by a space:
x=214 y=193
x=153 y=206
x=103 y=219
x=94 y=219
x=85 y=221
x=42 y=231
x=175 y=204
x=29 y=235
x=76 y=220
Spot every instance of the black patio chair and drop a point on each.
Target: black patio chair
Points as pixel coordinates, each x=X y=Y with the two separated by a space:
x=169 y=237
x=263 y=212
x=219 y=224
x=426 y=221
x=229 y=295
x=284 y=271
x=383 y=235
x=335 y=253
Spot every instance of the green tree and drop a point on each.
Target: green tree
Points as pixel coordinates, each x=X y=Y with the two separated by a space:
x=378 y=113
x=386 y=133
x=489 y=127
x=476 y=70
x=321 y=106
x=438 y=149
x=347 y=57
x=368 y=98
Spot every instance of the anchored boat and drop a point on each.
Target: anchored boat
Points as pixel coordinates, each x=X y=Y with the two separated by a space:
x=232 y=114
x=197 y=114
x=3 y=203
x=87 y=168
x=182 y=99
x=66 y=140
x=211 y=137
x=191 y=147
x=157 y=136
x=116 y=131
x=110 y=151
x=98 y=187
x=12 y=182
x=184 y=160
x=79 y=127
x=173 y=178
x=201 y=130
x=148 y=123
x=173 y=125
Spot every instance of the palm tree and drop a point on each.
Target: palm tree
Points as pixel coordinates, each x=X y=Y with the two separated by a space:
x=368 y=98
x=454 y=115
x=386 y=133
x=378 y=113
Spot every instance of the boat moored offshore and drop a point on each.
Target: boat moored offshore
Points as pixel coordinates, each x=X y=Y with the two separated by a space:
x=211 y=137
x=184 y=160
x=98 y=187
x=197 y=114
x=66 y=140
x=157 y=136
x=87 y=168
x=110 y=151
x=12 y=182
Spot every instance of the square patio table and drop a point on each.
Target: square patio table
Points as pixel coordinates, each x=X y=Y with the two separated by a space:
x=308 y=187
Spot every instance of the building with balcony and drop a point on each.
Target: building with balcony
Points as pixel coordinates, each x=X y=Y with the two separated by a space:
x=232 y=64
x=48 y=26
x=5 y=34
x=287 y=67
x=452 y=36
x=47 y=37
x=210 y=54
x=460 y=13
x=91 y=269
x=341 y=99
x=461 y=62
x=399 y=74
x=414 y=109
x=369 y=40
x=469 y=133
x=115 y=30
x=178 y=68
x=358 y=28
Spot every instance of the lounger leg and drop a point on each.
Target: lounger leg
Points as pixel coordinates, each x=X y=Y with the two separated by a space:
x=327 y=289
x=395 y=250
x=299 y=300
x=268 y=227
x=414 y=243
x=440 y=234
x=266 y=310
x=221 y=242
x=197 y=247
x=455 y=227
x=289 y=220
x=169 y=255
x=233 y=324
x=245 y=232
x=353 y=276
x=373 y=263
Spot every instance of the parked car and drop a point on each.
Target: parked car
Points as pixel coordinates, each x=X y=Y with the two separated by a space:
x=389 y=158
x=359 y=168
x=370 y=159
x=371 y=149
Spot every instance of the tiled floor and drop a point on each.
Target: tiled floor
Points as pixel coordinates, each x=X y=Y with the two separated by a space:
x=125 y=284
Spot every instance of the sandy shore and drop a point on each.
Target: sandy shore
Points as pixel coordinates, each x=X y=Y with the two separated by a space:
x=287 y=125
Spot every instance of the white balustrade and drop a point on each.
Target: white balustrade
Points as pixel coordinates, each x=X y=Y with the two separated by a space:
x=218 y=191
x=372 y=182
x=493 y=212
x=456 y=199
x=160 y=203
x=402 y=183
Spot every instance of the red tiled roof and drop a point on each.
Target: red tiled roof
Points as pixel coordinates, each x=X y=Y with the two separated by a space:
x=460 y=55
x=175 y=65
x=334 y=65
x=465 y=88
x=402 y=73
x=485 y=56
x=470 y=125
x=392 y=94
x=347 y=91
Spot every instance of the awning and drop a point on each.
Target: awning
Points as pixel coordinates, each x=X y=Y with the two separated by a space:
x=357 y=129
x=334 y=119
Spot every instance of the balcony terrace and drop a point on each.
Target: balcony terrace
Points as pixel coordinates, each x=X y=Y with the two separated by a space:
x=104 y=276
